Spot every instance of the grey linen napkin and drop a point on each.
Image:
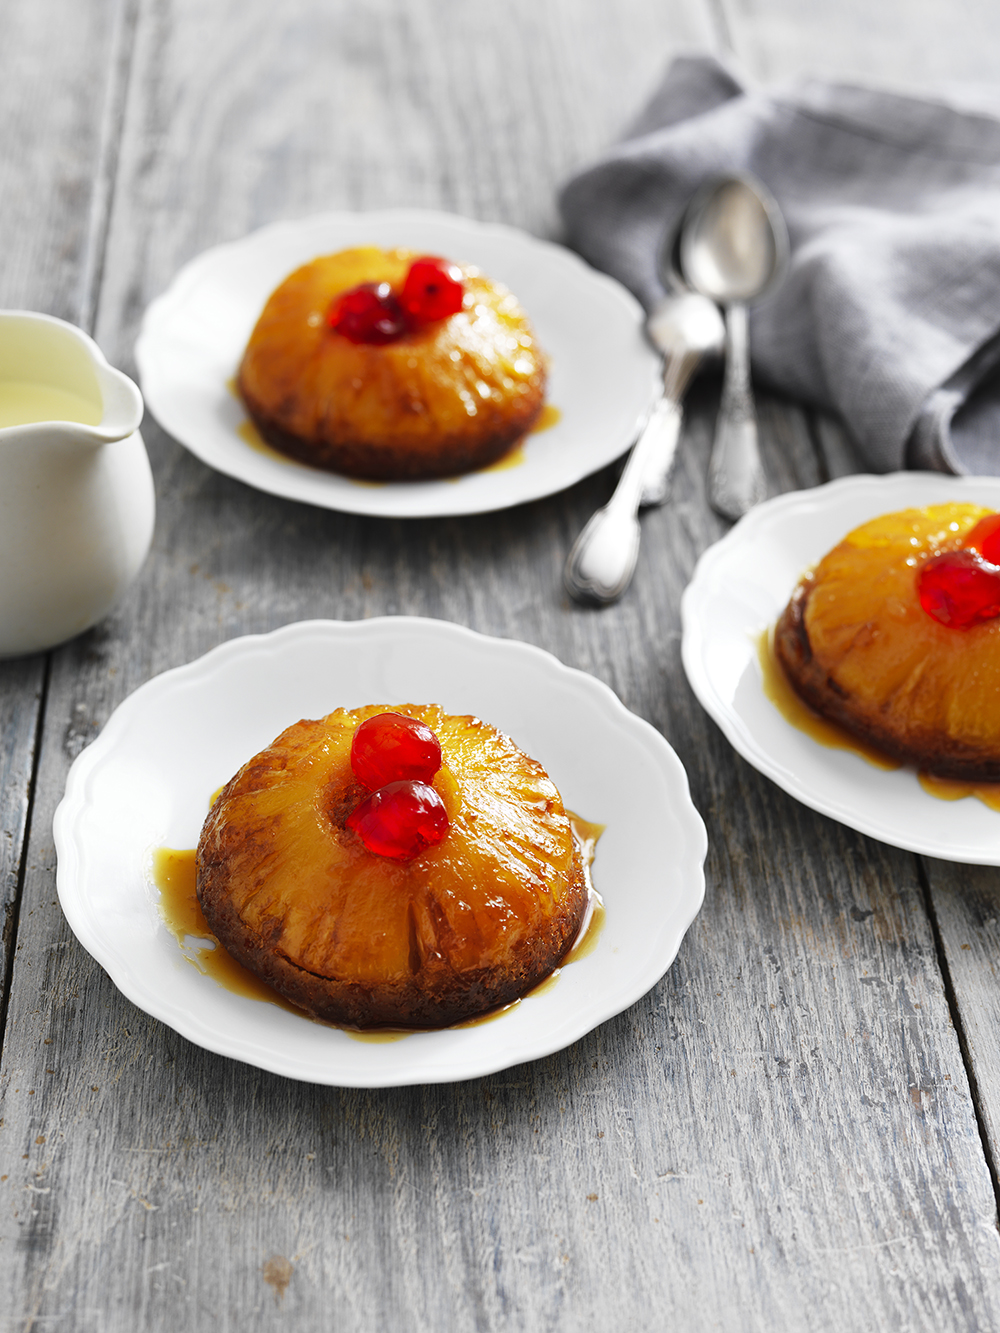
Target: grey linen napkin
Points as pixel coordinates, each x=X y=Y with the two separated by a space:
x=890 y=312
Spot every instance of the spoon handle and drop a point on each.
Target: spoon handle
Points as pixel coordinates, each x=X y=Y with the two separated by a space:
x=665 y=423
x=736 y=479
x=600 y=566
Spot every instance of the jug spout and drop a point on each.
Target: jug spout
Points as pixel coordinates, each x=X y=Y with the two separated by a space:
x=52 y=374
x=122 y=403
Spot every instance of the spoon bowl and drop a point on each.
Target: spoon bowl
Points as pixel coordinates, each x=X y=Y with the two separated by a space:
x=733 y=242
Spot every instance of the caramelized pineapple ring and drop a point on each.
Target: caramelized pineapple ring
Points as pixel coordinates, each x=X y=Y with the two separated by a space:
x=858 y=647
x=354 y=937
x=450 y=396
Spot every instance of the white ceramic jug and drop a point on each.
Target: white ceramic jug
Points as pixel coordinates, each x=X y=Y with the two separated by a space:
x=76 y=491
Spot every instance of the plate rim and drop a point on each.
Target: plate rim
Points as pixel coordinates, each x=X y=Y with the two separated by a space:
x=694 y=639
x=71 y=856
x=360 y=499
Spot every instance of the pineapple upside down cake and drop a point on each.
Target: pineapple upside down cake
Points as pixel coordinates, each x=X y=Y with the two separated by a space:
x=405 y=868
x=392 y=366
x=895 y=636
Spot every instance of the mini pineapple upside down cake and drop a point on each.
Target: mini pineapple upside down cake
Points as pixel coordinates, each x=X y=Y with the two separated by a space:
x=405 y=868
x=392 y=366
x=895 y=636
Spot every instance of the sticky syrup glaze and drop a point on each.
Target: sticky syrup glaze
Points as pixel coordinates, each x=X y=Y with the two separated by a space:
x=515 y=456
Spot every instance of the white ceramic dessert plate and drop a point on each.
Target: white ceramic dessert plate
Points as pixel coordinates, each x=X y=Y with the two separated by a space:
x=602 y=376
x=147 y=780
x=740 y=587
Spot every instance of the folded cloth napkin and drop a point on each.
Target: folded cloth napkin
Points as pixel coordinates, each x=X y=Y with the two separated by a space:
x=890 y=310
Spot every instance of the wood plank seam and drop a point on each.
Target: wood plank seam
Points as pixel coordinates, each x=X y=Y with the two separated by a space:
x=956 y=1018
x=14 y=911
x=106 y=176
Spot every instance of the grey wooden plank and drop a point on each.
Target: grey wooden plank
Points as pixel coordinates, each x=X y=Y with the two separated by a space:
x=948 y=46
x=780 y=1136
x=965 y=905
x=62 y=68
x=60 y=108
x=21 y=685
x=252 y=114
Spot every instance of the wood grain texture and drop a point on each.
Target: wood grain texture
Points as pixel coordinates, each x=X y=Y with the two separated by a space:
x=62 y=69
x=780 y=1136
x=965 y=903
x=21 y=687
x=928 y=47
x=60 y=109
x=240 y=113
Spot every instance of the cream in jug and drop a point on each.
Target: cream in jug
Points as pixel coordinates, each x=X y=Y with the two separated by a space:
x=76 y=491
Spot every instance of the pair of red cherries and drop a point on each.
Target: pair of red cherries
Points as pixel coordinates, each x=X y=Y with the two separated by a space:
x=396 y=757
x=961 y=588
x=373 y=313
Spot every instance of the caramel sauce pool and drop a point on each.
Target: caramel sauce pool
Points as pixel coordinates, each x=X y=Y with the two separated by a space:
x=515 y=455
x=953 y=789
x=778 y=689
x=174 y=876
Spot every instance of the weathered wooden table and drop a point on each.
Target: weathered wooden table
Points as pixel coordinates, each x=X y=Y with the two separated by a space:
x=798 y=1127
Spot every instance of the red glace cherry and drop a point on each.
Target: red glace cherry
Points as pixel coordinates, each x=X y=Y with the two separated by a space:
x=959 y=589
x=400 y=820
x=433 y=290
x=985 y=538
x=368 y=313
x=390 y=747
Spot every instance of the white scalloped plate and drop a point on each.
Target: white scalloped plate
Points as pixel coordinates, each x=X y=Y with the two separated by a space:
x=741 y=585
x=602 y=378
x=147 y=780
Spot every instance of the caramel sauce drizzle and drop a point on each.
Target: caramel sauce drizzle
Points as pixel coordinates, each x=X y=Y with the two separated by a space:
x=174 y=875
x=795 y=710
x=953 y=789
x=548 y=417
x=515 y=455
x=778 y=688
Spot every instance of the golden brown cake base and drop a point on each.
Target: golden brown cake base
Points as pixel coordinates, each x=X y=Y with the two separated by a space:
x=860 y=650
x=353 y=938
x=448 y=398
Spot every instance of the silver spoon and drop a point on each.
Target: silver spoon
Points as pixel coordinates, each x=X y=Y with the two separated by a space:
x=686 y=327
x=733 y=248
x=662 y=331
